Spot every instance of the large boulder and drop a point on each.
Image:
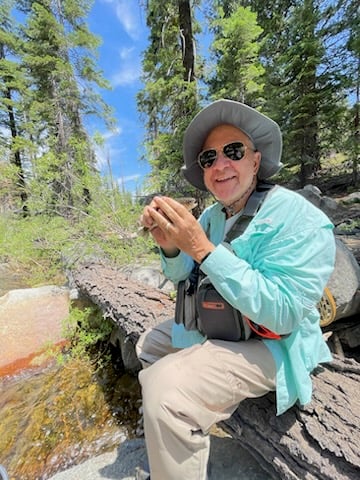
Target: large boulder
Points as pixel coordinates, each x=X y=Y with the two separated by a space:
x=31 y=319
x=344 y=283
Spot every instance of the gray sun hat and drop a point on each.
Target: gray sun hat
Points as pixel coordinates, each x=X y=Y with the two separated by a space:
x=262 y=131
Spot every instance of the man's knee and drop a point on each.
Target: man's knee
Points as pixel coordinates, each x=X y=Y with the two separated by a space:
x=155 y=343
x=157 y=392
x=139 y=347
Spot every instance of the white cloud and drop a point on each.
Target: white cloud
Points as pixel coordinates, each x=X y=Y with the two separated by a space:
x=130 y=69
x=104 y=153
x=112 y=133
x=126 y=52
x=128 y=178
x=101 y=159
x=128 y=19
x=127 y=75
x=128 y=16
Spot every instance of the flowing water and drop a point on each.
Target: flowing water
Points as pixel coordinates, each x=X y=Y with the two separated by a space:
x=10 y=279
x=56 y=416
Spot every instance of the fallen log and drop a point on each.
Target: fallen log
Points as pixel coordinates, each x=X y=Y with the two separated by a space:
x=318 y=441
x=132 y=307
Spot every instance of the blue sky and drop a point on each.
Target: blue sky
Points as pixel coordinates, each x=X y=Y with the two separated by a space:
x=122 y=26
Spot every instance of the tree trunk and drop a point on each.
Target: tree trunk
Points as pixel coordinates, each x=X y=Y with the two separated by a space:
x=319 y=441
x=13 y=129
x=187 y=41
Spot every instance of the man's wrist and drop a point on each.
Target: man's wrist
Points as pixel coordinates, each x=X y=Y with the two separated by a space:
x=205 y=255
x=204 y=258
x=170 y=253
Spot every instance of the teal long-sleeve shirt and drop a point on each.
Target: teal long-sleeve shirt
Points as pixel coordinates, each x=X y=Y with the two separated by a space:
x=275 y=276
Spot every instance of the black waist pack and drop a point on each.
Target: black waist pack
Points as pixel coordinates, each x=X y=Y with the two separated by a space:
x=216 y=318
x=199 y=306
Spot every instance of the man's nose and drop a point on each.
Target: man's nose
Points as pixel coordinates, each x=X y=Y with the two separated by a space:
x=222 y=160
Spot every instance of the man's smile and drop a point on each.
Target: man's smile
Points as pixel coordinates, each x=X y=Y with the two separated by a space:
x=221 y=180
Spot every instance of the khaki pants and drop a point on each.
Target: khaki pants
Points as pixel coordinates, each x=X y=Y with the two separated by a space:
x=187 y=391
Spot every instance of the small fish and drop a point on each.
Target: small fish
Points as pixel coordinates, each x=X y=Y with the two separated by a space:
x=188 y=202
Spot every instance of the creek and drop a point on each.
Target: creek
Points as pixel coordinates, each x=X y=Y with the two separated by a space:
x=59 y=414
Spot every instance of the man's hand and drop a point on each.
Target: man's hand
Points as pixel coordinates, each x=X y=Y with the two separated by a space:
x=176 y=228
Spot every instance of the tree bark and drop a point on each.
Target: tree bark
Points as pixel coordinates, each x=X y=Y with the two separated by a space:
x=318 y=441
x=187 y=40
x=14 y=134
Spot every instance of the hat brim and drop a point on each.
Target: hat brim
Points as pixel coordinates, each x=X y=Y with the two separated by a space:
x=264 y=133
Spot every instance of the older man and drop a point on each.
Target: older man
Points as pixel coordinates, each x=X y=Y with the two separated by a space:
x=272 y=274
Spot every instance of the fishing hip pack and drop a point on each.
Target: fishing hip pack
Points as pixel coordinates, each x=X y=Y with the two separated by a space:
x=199 y=306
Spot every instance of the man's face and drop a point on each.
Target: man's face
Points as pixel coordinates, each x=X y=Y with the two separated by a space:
x=227 y=179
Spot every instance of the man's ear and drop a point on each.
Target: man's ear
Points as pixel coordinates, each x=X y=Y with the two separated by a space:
x=257 y=161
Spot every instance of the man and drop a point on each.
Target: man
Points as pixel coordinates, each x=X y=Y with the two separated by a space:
x=274 y=273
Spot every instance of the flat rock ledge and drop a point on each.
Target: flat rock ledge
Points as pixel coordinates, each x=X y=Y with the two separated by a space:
x=318 y=441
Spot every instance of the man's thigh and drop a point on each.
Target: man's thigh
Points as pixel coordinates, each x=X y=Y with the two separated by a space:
x=155 y=343
x=206 y=382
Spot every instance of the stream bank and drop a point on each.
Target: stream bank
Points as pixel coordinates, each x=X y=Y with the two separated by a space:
x=55 y=417
x=55 y=411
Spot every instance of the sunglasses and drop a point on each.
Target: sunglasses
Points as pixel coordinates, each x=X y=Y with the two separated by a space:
x=235 y=151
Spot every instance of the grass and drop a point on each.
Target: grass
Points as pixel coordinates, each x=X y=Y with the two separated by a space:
x=88 y=333
x=41 y=248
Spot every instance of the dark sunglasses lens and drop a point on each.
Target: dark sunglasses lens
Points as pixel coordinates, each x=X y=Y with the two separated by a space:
x=235 y=151
x=207 y=158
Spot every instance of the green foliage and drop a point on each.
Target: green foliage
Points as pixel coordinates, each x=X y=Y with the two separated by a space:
x=9 y=178
x=110 y=229
x=303 y=55
x=42 y=62
x=43 y=245
x=351 y=226
x=169 y=97
x=87 y=330
x=34 y=246
x=62 y=183
x=237 y=73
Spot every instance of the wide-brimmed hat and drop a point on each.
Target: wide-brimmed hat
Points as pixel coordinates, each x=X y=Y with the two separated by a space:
x=262 y=131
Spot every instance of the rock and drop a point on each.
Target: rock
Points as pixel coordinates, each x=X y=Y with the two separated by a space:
x=311 y=193
x=30 y=320
x=334 y=209
x=344 y=283
x=351 y=198
x=148 y=275
x=329 y=206
x=228 y=461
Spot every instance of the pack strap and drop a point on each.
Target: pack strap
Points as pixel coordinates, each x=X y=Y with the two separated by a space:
x=262 y=331
x=252 y=206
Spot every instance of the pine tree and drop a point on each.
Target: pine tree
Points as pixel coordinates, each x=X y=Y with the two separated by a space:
x=352 y=72
x=12 y=85
x=170 y=94
x=58 y=53
x=304 y=87
x=237 y=72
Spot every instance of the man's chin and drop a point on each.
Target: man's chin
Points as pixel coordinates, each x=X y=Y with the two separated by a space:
x=226 y=201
